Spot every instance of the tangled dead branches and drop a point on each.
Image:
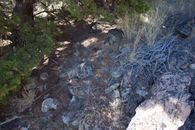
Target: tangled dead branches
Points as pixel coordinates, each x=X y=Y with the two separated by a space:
x=169 y=54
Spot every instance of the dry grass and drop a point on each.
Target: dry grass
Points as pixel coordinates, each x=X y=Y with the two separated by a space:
x=23 y=103
x=135 y=44
x=27 y=99
x=145 y=28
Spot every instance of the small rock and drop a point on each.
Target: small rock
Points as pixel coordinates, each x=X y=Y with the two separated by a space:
x=73 y=99
x=117 y=72
x=49 y=104
x=125 y=50
x=115 y=36
x=141 y=92
x=66 y=119
x=75 y=123
x=116 y=94
x=44 y=76
x=192 y=66
x=112 y=87
x=98 y=128
x=81 y=71
x=96 y=27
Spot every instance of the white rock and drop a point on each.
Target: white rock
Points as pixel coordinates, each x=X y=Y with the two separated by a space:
x=73 y=99
x=168 y=108
x=151 y=115
x=49 y=104
x=112 y=87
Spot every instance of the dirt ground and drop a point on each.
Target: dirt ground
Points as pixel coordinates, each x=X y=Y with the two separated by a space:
x=20 y=112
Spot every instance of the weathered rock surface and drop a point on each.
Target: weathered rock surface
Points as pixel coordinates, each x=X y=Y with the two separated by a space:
x=168 y=108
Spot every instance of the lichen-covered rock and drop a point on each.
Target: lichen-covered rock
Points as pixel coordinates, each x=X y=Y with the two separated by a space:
x=168 y=108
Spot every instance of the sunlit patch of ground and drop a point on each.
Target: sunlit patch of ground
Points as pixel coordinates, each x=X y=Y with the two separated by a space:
x=89 y=41
x=4 y=43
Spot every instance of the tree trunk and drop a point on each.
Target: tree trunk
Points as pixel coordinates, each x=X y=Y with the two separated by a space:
x=24 y=10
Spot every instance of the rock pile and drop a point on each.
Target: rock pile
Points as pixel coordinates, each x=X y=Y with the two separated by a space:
x=168 y=108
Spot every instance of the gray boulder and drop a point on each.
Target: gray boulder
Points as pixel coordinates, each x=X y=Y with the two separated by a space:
x=168 y=108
